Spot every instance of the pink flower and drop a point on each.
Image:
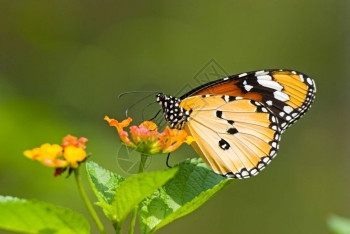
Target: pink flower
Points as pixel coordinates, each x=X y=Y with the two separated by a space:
x=146 y=139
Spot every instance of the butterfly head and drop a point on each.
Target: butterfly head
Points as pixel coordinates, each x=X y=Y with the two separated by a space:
x=173 y=113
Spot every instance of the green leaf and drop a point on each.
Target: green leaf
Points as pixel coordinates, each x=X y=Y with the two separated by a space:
x=192 y=186
x=104 y=184
x=339 y=224
x=39 y=217
x=136 y=188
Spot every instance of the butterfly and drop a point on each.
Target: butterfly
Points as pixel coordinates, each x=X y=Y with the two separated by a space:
x=237 y=121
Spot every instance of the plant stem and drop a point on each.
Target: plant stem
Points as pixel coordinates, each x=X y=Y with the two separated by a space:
x=118 y=228
x=87 y=202
x=134 y=214
x=133 y=221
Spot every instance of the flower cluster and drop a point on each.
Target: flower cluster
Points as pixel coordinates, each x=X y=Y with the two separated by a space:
x=146 y=139
x=67 y=155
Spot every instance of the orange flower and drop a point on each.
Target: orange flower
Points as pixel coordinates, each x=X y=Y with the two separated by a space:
x=72 y=140
x=70 y=154
x=146 y=139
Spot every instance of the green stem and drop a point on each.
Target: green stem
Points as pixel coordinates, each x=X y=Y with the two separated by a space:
x=87 y=202
x=118 y=228
x=133 y=221
x=134 y=214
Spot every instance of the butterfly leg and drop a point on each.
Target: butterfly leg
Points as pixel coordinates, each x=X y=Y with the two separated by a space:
x=167 y=161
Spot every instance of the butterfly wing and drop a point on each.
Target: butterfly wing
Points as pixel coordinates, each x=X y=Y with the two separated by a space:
x=287 y=94
x=237 y=137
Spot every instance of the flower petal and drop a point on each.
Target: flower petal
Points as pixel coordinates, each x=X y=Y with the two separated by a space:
x=72 y=140
x=118 y=125
x=74 y=155
x=149 y=125
x=124 y=136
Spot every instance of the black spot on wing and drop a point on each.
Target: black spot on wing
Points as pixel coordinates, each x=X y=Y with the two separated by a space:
x=219 y=114
x=224 y=144
x=232 y=131
x=230 y=122
x=228 y=98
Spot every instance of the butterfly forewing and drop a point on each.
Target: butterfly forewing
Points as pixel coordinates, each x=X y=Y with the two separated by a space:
x=287 y=94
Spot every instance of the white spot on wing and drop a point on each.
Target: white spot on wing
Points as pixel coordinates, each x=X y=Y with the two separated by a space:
x=270 y=84
x=262 y=72
x=248 y=87
x=243 y=74
x=281 y=96
x=265 y=160
x=314 y=84
x=309 y=81
x=264 y=77
x=287 y=109
x=273 y=118
x=269 y=102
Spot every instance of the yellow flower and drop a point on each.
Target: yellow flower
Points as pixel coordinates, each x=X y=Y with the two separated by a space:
x=69 y=155
x=73 y=155
x=146 y=139
x=49 y=155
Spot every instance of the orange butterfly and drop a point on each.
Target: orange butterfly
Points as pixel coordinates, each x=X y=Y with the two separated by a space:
x=237 y=121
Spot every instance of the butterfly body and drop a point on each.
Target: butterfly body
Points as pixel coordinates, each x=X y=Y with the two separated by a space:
x=237 y=121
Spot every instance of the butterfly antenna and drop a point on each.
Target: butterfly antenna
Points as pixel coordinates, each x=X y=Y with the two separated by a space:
x=135 y=103
x=167 y=161
x=135 y=91
x=155 y=116
x=144 y=108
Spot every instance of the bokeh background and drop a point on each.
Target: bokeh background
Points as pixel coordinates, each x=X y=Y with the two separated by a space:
x=63 y=63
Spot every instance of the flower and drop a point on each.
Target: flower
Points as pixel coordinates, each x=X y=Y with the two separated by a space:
x=74 y=150
x=74 y=155
x=72 y=140
x=68 y=155
x=49 y=155
x=146 y=139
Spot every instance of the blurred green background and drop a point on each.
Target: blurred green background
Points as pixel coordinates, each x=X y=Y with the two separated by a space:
x=63 y=63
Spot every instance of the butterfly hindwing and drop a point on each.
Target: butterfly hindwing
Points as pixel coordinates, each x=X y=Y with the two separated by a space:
x=236 y=136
